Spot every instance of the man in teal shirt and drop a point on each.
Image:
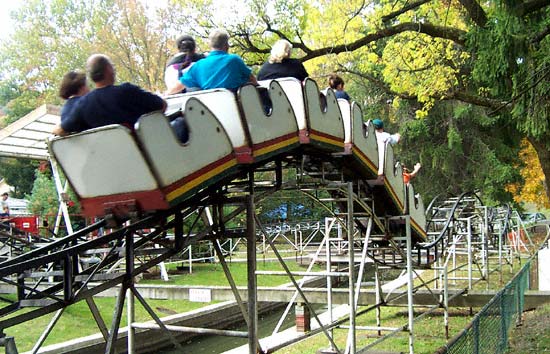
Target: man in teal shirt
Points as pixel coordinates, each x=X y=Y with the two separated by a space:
x=218 y=70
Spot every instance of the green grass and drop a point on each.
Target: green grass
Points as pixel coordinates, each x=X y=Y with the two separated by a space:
x=77 y=320
x=429 y=332
x=211 y=274
x=533 y=336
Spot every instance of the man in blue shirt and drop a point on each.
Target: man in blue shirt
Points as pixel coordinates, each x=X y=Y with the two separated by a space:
x=218 y=70
x=108 y=103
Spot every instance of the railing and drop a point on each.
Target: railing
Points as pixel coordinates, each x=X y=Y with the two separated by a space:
x=488 y=331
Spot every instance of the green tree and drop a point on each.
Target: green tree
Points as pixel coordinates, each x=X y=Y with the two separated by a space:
x=18 y=173
x=491 y=55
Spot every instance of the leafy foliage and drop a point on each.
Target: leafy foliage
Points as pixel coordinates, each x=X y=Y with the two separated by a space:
x=533 y=189
x=464 y=81
x=18 y=173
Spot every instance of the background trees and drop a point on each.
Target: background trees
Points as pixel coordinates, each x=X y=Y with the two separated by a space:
x=464 y=81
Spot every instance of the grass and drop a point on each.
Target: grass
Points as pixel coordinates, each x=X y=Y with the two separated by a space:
x=533 y=336
x=211 y=274
x=77 y=320
x=429 y=331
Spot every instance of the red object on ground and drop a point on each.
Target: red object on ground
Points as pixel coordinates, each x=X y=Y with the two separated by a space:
x=26 y=223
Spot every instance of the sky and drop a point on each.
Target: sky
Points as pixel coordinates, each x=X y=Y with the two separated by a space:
x=7 y=7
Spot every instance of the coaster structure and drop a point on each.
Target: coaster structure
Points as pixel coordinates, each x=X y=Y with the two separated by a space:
x=159 y=197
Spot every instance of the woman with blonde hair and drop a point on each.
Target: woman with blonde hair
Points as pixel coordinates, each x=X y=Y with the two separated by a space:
x=281 y=65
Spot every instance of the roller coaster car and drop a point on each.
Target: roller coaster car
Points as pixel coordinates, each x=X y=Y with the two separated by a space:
x=116 y=171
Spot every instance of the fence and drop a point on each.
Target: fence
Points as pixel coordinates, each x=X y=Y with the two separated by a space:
x=488 y=331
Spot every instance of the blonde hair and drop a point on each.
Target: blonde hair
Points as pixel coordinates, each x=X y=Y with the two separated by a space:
x=280 y=50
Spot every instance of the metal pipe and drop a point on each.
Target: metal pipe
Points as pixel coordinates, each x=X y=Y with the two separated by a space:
x=323 y=274
x=131 y=339
x=197 y=330
x=251 y=272
x=410 y=285
x=351 y=268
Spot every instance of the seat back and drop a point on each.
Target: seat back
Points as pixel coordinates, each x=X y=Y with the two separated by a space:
x=326 y=126
x=272 y=132
x=184 y=168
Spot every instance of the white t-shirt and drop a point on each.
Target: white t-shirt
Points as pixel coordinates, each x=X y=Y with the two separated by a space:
x=384 y=137
x=381 y=139
x=4 y=208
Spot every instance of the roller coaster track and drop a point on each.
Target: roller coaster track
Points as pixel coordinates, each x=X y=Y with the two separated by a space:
x=155 y=193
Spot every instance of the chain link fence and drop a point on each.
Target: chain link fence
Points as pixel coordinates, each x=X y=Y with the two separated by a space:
x=488 y=331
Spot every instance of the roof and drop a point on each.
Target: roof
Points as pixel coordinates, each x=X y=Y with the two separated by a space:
x=26 y=137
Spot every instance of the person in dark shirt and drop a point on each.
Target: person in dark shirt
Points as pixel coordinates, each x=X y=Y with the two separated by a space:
x=281 y=65
x=182 y=61
x=108 y=103
x=336 y=83
x=72 y=88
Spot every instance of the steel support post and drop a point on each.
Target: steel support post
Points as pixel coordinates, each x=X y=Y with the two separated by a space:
x=410 y=285
x=300 y=283
x=469 y=239
x=110 y=348
x=47 y=331
x=328 y=227
x=157 y=319
x=378 y=286
x=230 y=279
x=446 y=301
x=500 y=254
x=129 y=258
x=351 y=264
x=486 y=245
x=131 y=319
x=60 y=191
x=97 y=317
x=9 y=344
x=251 y=268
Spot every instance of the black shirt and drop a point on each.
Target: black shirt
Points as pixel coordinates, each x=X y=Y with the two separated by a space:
x=286 y=68
x=114 y=104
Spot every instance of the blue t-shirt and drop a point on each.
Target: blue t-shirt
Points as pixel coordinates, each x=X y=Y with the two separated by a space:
x=342 y=94
x=122 y=104
x=68 y=107
x=218 y=70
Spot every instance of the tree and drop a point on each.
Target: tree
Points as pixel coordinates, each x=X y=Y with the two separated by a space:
x=403 y=60
x=533 y=190
x=18 y=173
x=491 y=55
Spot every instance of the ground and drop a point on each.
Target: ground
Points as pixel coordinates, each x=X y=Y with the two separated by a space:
x=533 y=336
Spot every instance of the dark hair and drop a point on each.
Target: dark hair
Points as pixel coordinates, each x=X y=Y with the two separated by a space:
x=186 y=44
x=72 y=83
x=334 y=81
x=5 y=193
x=96 y=66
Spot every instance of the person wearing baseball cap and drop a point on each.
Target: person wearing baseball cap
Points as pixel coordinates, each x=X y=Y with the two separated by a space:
x=382 y=136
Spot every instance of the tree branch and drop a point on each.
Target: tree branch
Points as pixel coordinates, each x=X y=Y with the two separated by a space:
x=406 y=8
x=475 y=11
x=378 y=83
x=540 y=36
x=456 y=95
x=450 y=33
x=526 y=8
x=475 y=99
